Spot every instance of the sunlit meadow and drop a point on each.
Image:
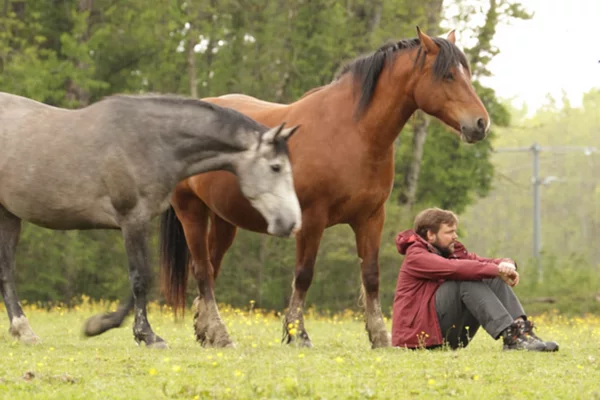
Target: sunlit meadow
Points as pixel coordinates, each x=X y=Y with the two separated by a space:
x=340 y=366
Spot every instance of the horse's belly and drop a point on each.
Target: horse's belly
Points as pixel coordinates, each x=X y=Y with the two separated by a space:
x=71 y=222
x=63 y=216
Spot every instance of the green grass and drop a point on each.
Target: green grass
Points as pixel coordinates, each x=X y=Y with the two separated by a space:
x=340 y=366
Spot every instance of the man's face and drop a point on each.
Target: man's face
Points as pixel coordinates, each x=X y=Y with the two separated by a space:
x=444 y=239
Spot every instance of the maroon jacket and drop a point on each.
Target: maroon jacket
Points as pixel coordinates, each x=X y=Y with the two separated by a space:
x=414 y=318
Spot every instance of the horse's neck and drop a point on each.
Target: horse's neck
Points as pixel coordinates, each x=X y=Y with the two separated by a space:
x=195 y=141
x=380 y=124
x=390 y=108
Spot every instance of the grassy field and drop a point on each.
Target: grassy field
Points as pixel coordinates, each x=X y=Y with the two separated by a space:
x=340 y=366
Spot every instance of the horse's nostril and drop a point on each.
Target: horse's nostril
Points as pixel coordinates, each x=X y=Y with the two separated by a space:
x=278 y=222
x=481 y=124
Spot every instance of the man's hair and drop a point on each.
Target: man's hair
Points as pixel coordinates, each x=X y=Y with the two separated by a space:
x=431 y=219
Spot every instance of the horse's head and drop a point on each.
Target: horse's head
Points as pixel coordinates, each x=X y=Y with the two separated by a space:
x=443 y=88
x=265 y=175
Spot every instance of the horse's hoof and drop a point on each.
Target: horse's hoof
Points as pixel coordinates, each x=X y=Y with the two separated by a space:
x=157 y=345
x=202 y=341
x=305 y=343
x=94 y=326
x=224 y=344
x=30 y=339
x=301 y=340
x=381 y=340
x=21 y=330
x=151 y=341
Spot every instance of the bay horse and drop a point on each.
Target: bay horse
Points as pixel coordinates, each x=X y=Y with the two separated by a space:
x=343 y=166
x=114 y=165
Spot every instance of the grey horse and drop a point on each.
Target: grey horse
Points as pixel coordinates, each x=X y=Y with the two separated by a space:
x=114 y=165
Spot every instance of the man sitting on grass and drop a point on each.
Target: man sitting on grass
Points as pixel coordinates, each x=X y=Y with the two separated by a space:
x=444 y=293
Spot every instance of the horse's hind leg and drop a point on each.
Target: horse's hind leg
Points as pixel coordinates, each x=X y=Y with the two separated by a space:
x=221 y=236
x=220 y=240
x=368 y=238
x=10 y=229
x=194 y=216
x=100 y=323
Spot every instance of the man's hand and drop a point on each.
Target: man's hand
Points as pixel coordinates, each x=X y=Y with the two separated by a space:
x=508 y=274
x=510 y=261
x=508 y=265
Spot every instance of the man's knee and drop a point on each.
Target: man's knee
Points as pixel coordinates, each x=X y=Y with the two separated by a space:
x=471 y=285
x=496 y=282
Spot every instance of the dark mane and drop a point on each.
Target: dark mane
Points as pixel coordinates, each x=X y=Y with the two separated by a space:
x=227 y=115
x=367 y=69
x=230 y=119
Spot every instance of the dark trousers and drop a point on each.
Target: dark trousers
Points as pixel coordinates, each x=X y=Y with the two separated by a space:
x=463 y=306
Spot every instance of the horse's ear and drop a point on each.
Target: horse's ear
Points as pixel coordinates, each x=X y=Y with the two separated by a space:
x=286 y=134
x=451 y=37
x=427 y=43
x=271 y=135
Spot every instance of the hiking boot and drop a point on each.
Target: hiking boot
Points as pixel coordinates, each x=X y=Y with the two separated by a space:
x=527 y=330
x=514 y=339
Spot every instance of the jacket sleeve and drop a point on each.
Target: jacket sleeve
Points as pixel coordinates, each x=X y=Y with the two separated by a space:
x=497 y=261
x=422 y=264
x=473 y=256
x=464 y=254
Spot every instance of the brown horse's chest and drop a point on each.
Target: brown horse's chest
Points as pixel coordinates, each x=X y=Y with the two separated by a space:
x=335 y=173
x=347 y=189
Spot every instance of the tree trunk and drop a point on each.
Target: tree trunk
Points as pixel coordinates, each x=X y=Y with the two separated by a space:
x=484 y=43
x=375 y=18
x=196 y=15
x=408 y=196
x=75 y=93
x=18 y=8
x=434 y=15
x=191 y=60
x=369 y=15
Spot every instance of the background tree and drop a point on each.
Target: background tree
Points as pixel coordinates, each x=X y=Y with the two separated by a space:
x=71 y=53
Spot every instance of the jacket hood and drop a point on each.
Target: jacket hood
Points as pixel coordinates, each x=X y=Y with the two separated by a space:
x=409 y=237
x=406 y=239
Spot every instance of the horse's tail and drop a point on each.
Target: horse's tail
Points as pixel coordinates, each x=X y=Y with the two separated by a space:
x=174 y=260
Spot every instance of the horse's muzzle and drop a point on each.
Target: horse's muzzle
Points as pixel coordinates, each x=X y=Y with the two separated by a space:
x=476 y=132
x=283 y=228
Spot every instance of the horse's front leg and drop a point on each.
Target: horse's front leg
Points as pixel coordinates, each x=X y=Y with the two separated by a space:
x=135 y=236
x=368 y=238
x=307 y=247
x=10 y=229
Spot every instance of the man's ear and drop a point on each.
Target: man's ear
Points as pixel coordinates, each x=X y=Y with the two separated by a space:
x=430 y=235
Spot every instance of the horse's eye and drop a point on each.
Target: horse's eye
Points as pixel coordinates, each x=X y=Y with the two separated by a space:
x=276 y=167
x=449 y=77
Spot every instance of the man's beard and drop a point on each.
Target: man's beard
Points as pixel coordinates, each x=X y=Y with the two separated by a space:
x=444 y=251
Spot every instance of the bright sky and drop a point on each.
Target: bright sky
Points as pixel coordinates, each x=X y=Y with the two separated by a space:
x=559 y=48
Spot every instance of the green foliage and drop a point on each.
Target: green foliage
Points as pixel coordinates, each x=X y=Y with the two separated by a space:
x=556 y=292
x=26 y=67
x=502 y=223
x=58 y=266
x=454 y=173
x=70 y=53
